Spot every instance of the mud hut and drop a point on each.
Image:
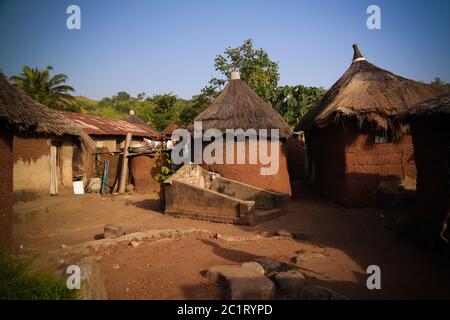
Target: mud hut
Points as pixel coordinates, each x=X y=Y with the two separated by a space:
x=109 y=136
x=167 y=132
x=351 y=144
x=429 y=123
x=36 y=148
x=133 y=118
x=239 y=107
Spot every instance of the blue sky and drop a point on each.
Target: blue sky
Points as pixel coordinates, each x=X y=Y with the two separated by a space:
x=169 y=46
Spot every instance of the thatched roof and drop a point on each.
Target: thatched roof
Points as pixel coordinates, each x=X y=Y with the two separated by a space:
x=437 y=107
x=133 y=118
x=369 y=94
x=25 y=115
x=239 y=107
x=167 y=132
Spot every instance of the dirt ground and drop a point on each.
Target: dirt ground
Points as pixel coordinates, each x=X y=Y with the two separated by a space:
x=350 y=240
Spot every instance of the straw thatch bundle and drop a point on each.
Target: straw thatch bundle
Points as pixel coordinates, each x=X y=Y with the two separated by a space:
x=369 y=94
x=19 y=111
x=438 y=107
x=239 y=107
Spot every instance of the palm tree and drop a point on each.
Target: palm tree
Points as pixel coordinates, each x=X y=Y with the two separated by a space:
x=50 y=91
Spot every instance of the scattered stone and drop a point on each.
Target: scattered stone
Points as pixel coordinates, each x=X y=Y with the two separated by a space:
x=135 y=244
x=289 y=283
x=300 y=236
x=268 y=234
x=255 y=266
x=238 y=238
x=307 y=257
x=319 y=293
x=285 y=233
x=268 y=264
x=111 y=232
x=242 y=283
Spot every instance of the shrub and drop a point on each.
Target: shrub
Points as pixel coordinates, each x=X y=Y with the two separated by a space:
x=17 y=282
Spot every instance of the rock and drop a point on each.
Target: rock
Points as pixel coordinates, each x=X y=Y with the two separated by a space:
x=319 y=293
x=289 y=283
x=268 y=264
x=285 y=233
x=111 y=232
x=115 y=266
x=300 y=236
x=311 y=256
x=135 y=244
x=92 y=282
x=242 y=283
x=267 y=234
x=255 y=266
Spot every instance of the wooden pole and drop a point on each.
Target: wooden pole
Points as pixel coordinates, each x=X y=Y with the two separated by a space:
x=123 y=172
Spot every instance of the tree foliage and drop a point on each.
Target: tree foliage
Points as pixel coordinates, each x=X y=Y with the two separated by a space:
x=51 y=91
x=294 y=102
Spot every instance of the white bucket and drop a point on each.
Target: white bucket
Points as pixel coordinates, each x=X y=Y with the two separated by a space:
x=78 y=187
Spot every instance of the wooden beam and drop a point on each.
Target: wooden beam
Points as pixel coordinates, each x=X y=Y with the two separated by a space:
x=123 y=172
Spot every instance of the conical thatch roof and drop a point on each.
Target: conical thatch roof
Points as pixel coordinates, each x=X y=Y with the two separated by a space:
x=169 y=129
x=368 y=94
x=239 y=107
x=133 y=118
x=437 y=107
x=22 y=113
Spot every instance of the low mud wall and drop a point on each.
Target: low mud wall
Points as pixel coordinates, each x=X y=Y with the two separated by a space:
x=6 y=189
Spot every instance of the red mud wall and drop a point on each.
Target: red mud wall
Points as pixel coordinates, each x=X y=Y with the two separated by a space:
x=143 y=169
x=431 y=141
x=6 y=189
x=368 y=163
x=296 y=157
x=30 y=149
x=328 y=162
x=251 y=174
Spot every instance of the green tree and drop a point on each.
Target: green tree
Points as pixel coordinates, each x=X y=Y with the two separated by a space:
x=438 y=82
x=197 y=104
x=51 y=91
x=293 y=102
x=254 y=65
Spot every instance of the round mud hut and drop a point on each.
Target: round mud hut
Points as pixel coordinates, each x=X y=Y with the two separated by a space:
x=429 y=123
x=238 y=107
x=351 y=143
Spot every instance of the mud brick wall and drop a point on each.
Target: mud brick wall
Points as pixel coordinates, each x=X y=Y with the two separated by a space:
x=368 y=163
x=6 y=189
x=431 y=141
x=251 y=174
x=296 y=157
x=31 y=167
x=328 y=161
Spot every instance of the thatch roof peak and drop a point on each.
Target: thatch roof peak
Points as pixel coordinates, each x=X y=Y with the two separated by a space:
x=25 y=115
x=357 y=55
x=239 y=107
x=369 y=94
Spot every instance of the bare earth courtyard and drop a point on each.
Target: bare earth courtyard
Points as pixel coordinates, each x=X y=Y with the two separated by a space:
x=342 y=244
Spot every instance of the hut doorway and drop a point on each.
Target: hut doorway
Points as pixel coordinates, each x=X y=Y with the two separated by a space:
x=54 y=168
